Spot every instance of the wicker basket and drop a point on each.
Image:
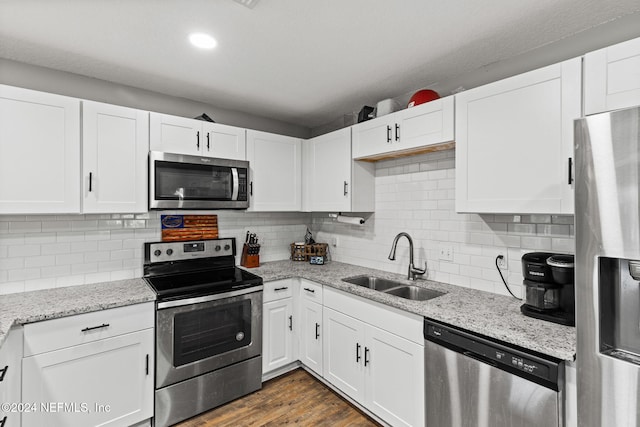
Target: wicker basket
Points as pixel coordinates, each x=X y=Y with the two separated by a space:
x=302 y=252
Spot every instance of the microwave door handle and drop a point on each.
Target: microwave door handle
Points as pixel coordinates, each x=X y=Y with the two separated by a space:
x=236 y=184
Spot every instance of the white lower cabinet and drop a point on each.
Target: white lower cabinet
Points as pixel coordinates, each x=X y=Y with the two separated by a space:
x=278 y=321
x=311 y=323
x=87 y=381
x=277 y=324
x=10 y=377
x=377 y=368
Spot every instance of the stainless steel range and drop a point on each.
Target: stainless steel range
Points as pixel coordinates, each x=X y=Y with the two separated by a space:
x=208 y=327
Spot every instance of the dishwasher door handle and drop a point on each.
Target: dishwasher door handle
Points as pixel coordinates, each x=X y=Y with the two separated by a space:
x=480 y=358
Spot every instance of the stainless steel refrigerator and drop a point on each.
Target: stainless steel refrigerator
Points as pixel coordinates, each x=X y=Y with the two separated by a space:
x=607 y=220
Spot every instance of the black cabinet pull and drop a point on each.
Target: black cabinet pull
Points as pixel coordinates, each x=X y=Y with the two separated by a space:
x=251 y=188
x=147 y=364
x=366 y=353
x=317 y=330
x=208 y=141
x=570 y=180
x=310 y=290
x=281 y=289
x=4 y=420
x=291 y=323
x=104 y=325
x=90 y=181
x=358 y=357
x=388 y=133
x=3 y=372
x=198 y=140
x=397 y=132
x=346 y=188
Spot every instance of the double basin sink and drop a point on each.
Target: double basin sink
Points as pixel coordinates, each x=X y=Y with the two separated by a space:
x=392 y=287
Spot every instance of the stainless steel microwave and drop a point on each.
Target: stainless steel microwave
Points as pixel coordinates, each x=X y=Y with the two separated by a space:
x=178 y=181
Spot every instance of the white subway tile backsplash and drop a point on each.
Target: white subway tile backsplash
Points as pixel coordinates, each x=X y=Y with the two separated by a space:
x=84 y=246
x=11 y=263
x=56 y=271
x=20 y=227
x=55 y=248
x=40 y=261
x=56 y=226
x=67 y=259
x=23 y=250
x=476 y=239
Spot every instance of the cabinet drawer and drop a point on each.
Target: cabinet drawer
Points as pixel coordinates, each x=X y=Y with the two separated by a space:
x=311 y=291
x=68 y=331
x=406 y=325
x=277 y=290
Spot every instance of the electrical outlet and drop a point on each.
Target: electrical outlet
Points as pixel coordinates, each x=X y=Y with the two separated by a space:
x=502 y=262
x=446 y=252
x=334 y=242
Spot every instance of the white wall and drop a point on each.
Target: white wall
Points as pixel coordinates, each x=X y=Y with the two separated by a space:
x=48 y=251
x=48 y=80
x=416 y=194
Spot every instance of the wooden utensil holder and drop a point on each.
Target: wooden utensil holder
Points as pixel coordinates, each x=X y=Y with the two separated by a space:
x=247 y=260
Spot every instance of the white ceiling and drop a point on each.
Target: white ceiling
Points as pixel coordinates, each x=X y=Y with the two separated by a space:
x=299 y=61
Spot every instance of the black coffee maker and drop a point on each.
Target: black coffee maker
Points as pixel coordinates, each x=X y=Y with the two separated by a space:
x=549 y=287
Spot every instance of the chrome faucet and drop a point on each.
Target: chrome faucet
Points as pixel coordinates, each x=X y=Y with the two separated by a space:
x=413 y=271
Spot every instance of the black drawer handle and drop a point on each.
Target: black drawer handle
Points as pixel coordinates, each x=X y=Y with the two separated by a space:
x=397 y=132
x=3 y=373
x=208 y=141
x=90 y=181
x=388 y=133
x=291 y=323
x=281 y=289
x=198 y=140
x=366 y=354
x=313 y=291
x=317 y=330
x=104 y=325
x=358 y=357
x=570 y=180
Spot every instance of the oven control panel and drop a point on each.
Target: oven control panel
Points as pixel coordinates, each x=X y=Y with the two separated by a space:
x=178 y=251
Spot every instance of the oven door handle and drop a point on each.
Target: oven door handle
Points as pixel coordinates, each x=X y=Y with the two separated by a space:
x=207 y=298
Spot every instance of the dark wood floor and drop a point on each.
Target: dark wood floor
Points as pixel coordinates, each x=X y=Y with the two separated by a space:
x=296 y=398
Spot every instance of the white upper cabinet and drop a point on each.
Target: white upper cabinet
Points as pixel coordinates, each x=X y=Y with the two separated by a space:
x=276 y=172
x=227 y=142
x=612 y=77
x=173 y=134
x=39 y=152
x=514 y=142
x=333 y=181
x=115 y=144
x=406 y=130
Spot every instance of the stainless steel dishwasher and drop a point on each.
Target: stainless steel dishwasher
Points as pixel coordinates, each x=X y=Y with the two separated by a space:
x=472 y=381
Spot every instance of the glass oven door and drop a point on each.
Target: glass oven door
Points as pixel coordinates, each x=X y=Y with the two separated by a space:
x=198 y=337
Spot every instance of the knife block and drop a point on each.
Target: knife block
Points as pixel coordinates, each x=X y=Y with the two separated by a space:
x=247 y=260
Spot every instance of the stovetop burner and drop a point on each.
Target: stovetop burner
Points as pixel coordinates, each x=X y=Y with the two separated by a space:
x=178 y=270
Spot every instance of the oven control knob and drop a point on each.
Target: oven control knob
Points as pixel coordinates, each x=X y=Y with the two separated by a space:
x=218 y=248
x=239 y=336
x=157 y=252
x=227 y=247
x=169 y=251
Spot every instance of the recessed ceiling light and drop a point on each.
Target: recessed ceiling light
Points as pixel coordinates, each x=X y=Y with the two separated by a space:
x=202 y=40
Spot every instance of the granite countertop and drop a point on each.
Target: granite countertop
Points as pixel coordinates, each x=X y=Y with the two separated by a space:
x=485 y=313
x=28 y=307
